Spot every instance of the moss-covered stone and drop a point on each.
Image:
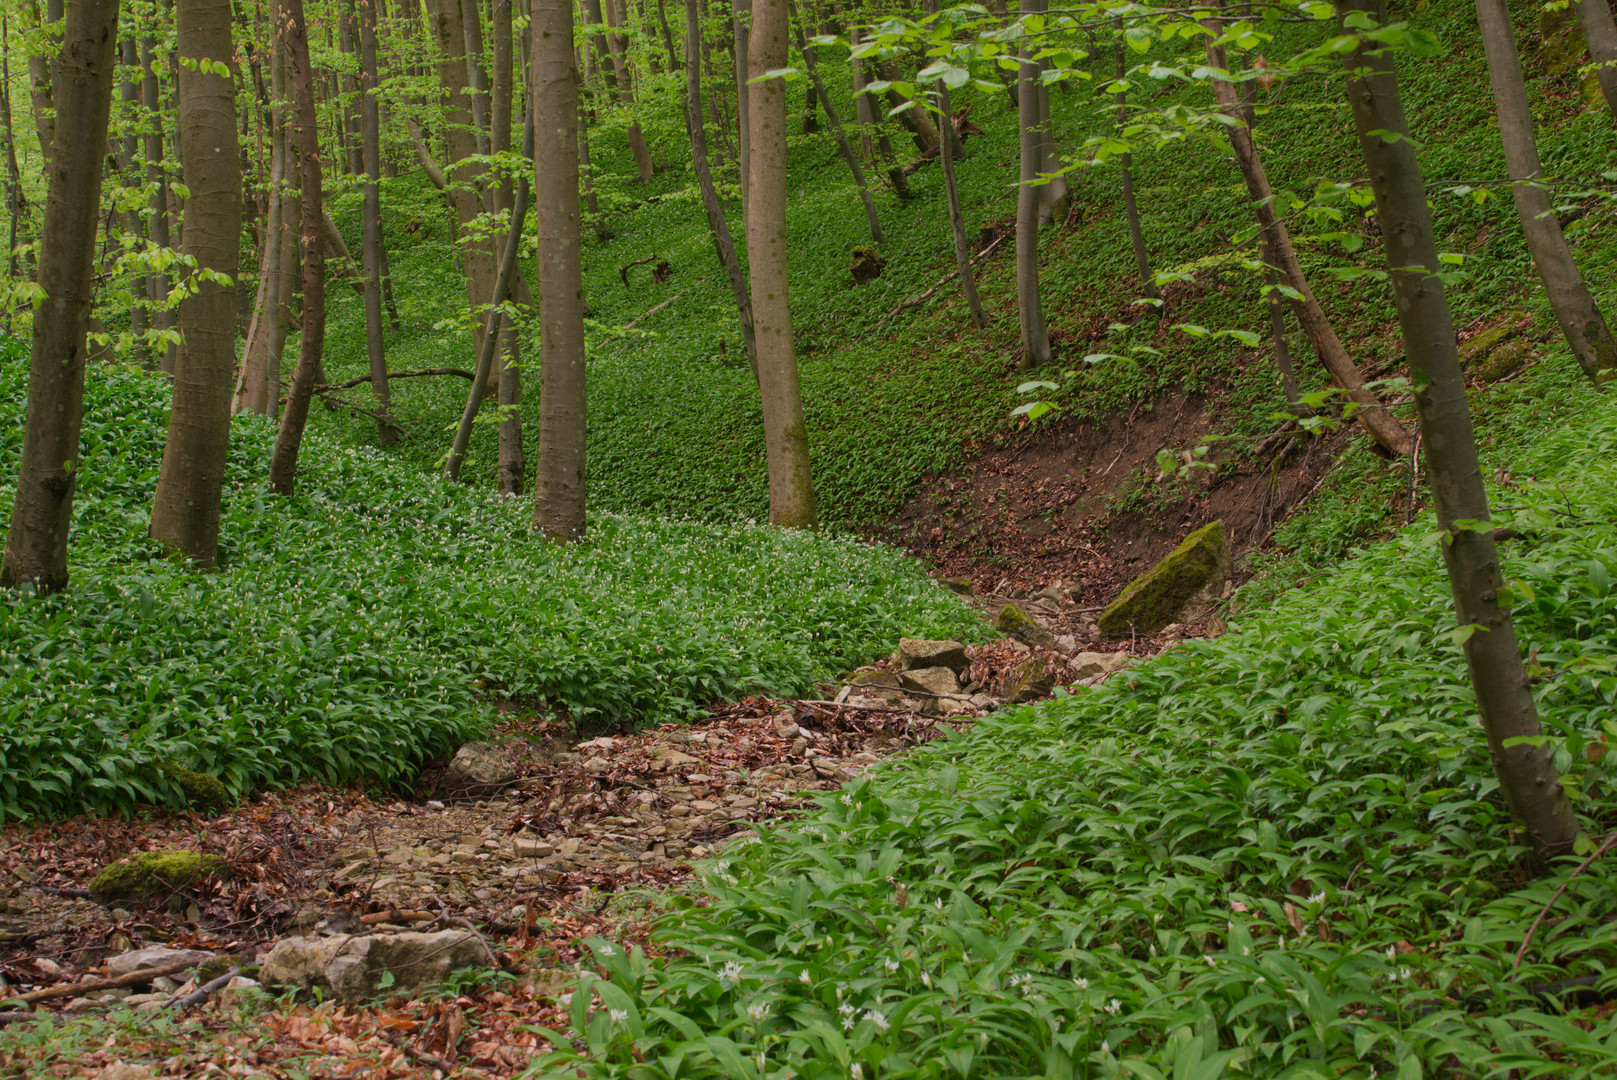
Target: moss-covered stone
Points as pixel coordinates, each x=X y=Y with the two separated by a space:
x=1031 y=681
x=961 y=585
x=154 y=873
x=1018 y=624
x=202 y=791
x=1158 y=596
x=1506 y=360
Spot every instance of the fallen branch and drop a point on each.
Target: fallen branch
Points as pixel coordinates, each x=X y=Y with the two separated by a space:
x=1531 y=930
x=203 y=992
x=917 y=301
x=349 y=384
x=333 y=402
x=397 y=917
x=17 y=1017
x=144 y=975
x=431 y=1061
x=851 y=705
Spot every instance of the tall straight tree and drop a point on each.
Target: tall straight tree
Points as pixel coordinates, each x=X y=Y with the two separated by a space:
x=1575 y=309
x=185 y=512
x=370 y=128
x=36 y=545
x=558 y=499
x=289 y=438
x=1600 y=31
x=618 y=46
x=1029 y=304
x=1526 y=771
x=786 y=448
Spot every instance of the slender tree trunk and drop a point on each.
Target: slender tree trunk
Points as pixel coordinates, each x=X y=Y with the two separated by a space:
x=668 y=36
x=1142 y=259
x=1600 y=31
x=370 y=124
x=162 y=317
x=39 y=73
x=619 y=48
x=1054 y=200
x=816 y=86
x=786 y=447
x=36 y=545
x=1382 y=426
x=1581 y=322
x=476 y=73
x=511 y=464
x=1030 y=307
x=289 y=440
x=16 y=204
x=558 y=504
x=957 y=221
x=716 y=223
x=258 y=387
x=1527 y=774
x=134 y=224
x=185 y=511
x=1277 y=337
x=740 y=21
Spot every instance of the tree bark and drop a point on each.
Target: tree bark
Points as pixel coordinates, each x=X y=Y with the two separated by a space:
x=370 y=125
x=289 y=439
x=1054 y=200
x=476 y=73
x=185 y=511
x=511 y=464
x=134 y=223
x=39 y=74
x=258 y=387
x=1581 y=322
x=36 y=544
x=1600 y=31
x=16 y=203
x=716 y=223
x=558 y=504
x=841 y=136
x=1382 y=426
x=668 y=36
x=786 y=448
x=740 y=21
x=1142 y=259
x=1030 y=307
x=162 y=318
x=1527 y=775
x=957 y=220
x=619 y=48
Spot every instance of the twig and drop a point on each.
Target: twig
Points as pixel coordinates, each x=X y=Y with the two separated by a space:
x=134 y=977
x=396 y=916
x=16 y=1017
x=851 y=705
x=917 y=301
x=432 y=1061
x=203 y=992
x=652 y=311
x=77 y=894
x=1531 y=930
x=348 y=384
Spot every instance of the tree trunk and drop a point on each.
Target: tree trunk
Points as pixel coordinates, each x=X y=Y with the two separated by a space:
x=185 y=511
x=957 y=220
x=510 y=461
x=668 y=36
x=289 y=439
x=1142 y=260
x=1054 y=200
x=1030 y=307
x=476 y=73
x=39 y=73
x=1382 y=426
x=816 y=86
x=1527 y=775
x=258 y=387
x=370 y=125
x=162 y=317
x=620 y=62
x=716 y=223
x=1600 y=31
x=558 y=503
x=134 y=223
x=740 y=21
x=786 y=448
x=36 y=545
x=16 y=203
x=1581 y=322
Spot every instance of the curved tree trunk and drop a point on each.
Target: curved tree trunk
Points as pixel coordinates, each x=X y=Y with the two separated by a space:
x=957 y=219
x=1030 y=307
x=289 y=439
x=185 y=511
x=1600 y=31
x=258 y=386
x=619 y=48
x=852 y=159
x=1581 y=322
x=786 y=448
x=36 y=544
x=558 y=502
x=1527 y=775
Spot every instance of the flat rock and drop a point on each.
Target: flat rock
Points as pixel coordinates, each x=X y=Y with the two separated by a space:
x=478 y=768
x=931 y=680
x=1091 y=664
x=1031 y=680
x=154 y=957
x=1017 y=623
x=352 y=969
x=916 y=654
x=1199 y=566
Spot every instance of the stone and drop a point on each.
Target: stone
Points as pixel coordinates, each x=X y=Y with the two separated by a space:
x=882 y=685
x=669 y=758
x=1507 y=359
x=1017 y=623
x=532 y=848
x=1090 y=664
x=240 y=987
x=350 y=969
x=1053 y=593
x=477 y=768
x=931 y=680
x=202 y=792
x=1066 y=643
x=154 y=873
x=123 y=1070
x=914 y=654
x=1031 y=680
x=79 y=1005
x=1162 y=594
x=961 y=585
x=154 y=957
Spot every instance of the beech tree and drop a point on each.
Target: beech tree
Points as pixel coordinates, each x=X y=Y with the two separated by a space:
x=81 y=90
x=1030 y=307
x=1524 y=764
x=1600 y=31
x=371 y=225
x=185 y=511
x=786 y=449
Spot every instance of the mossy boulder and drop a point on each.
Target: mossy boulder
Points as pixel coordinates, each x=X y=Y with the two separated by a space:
x=1160 y=595
x=154 y=874
x=202 y=792
x=1018 y=624
x=1507 y=359
x=1031 y=681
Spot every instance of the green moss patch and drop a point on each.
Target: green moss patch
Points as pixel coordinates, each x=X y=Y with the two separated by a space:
x=1158 y=596
x=154 y=874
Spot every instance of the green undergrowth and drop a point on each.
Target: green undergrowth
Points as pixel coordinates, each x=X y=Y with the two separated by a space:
x=1281 y=853
x=357 y=630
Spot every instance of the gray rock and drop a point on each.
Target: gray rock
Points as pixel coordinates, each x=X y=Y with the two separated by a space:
x=1031 y=680
x=353 y=968
x=915 y=654
x=931 y=680
x=527 y=847
x=477 y=769
x=121 y=1070
x=1089 y=665
x=1017 y=623
x=155 y=957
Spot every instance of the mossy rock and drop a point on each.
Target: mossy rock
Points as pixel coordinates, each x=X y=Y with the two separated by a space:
x=202 y=792
x=1018 y=624
x=154 y=874
x=1159 y=596
x=1506 y=360
x=1561 y=40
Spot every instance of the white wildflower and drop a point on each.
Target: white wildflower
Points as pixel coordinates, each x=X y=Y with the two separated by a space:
x=618 y=1015
x=1082 y=984
x=805 y=979
x=1392 y=953
x=846 y=800
x=878 y=1019
x=1210 y=961
x=1404 y=974
x=606 y=950
x=758 y=1012
x=1317 y=898
x=855 y=1071
x=846 y=1009
x=1114 y=1006
x=890 y=965
x=731 y=973
x=926 y=980
x=847 y=1023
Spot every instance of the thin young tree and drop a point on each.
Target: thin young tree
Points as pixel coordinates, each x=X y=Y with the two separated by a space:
x=162 y=317
x=1600 y=31
x=185 y=511
x=716 y=223
x=1131 y=207
x=741 y=22
x=1575 y=309
x=618 y=46
x=1526 y=770
x=786 y=448
x=957 y=219
x=510 y=464
x=36 y=544
x=558 y=502
x=258 y=383
x=289 y=438
x=818 y=87
x=1029 y=304
x=370 y=127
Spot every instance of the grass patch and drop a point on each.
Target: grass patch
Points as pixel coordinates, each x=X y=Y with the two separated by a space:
x=354 y=630
x=1281 y=853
